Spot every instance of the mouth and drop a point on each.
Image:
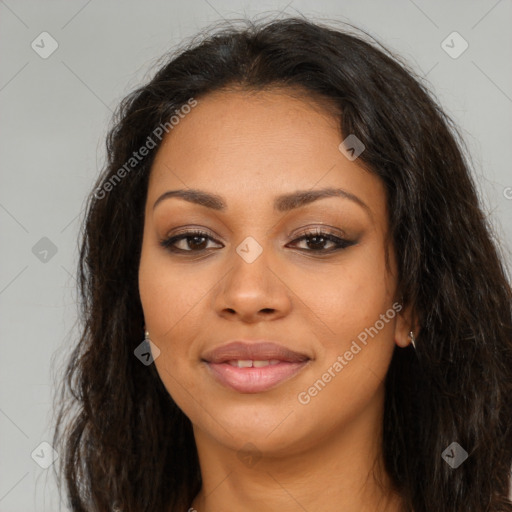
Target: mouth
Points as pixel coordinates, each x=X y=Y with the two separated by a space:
x=254 y=367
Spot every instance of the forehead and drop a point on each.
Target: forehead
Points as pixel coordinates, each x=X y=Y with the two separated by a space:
x=247 y=145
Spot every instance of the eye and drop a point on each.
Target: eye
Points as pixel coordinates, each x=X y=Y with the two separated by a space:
x=317 y=239
x=196 y=240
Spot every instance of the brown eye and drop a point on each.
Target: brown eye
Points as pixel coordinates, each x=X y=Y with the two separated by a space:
x=317 y=240
x=196 y=241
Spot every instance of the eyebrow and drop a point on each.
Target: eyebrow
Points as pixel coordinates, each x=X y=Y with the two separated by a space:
x=282 y=203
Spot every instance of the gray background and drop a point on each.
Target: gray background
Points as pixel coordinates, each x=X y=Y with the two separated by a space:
x=55 y=114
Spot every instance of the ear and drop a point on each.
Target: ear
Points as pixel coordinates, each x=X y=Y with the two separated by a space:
x=405 y=323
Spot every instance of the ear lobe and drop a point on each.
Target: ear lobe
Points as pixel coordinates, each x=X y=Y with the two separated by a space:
x=406 y=324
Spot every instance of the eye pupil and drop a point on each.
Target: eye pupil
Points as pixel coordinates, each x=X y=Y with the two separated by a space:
x=195 y=242
x=318 y=242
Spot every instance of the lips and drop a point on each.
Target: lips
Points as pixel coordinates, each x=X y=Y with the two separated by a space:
x=262 y=351
x=253 y=367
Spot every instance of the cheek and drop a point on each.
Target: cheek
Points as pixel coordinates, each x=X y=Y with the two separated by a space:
x=357 y=336
x=342 y=300
x=169 y=294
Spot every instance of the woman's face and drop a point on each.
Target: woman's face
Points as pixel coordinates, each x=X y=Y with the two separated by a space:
x=250 y=276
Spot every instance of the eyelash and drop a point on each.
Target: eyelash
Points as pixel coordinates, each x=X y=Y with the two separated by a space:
x=168 y=243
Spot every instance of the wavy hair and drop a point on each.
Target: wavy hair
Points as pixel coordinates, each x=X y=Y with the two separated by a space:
x=124 y=441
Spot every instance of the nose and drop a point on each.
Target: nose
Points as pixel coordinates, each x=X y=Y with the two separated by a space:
x=253 y=291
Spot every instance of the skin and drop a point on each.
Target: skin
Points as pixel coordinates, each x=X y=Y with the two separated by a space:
x=249 y=147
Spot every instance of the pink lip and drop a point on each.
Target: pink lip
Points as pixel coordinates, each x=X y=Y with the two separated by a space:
x=254 y=380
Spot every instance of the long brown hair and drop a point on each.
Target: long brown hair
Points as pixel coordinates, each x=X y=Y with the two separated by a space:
x=127 y=445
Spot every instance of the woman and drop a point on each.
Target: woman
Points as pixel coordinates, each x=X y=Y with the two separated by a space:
x=342 y=337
